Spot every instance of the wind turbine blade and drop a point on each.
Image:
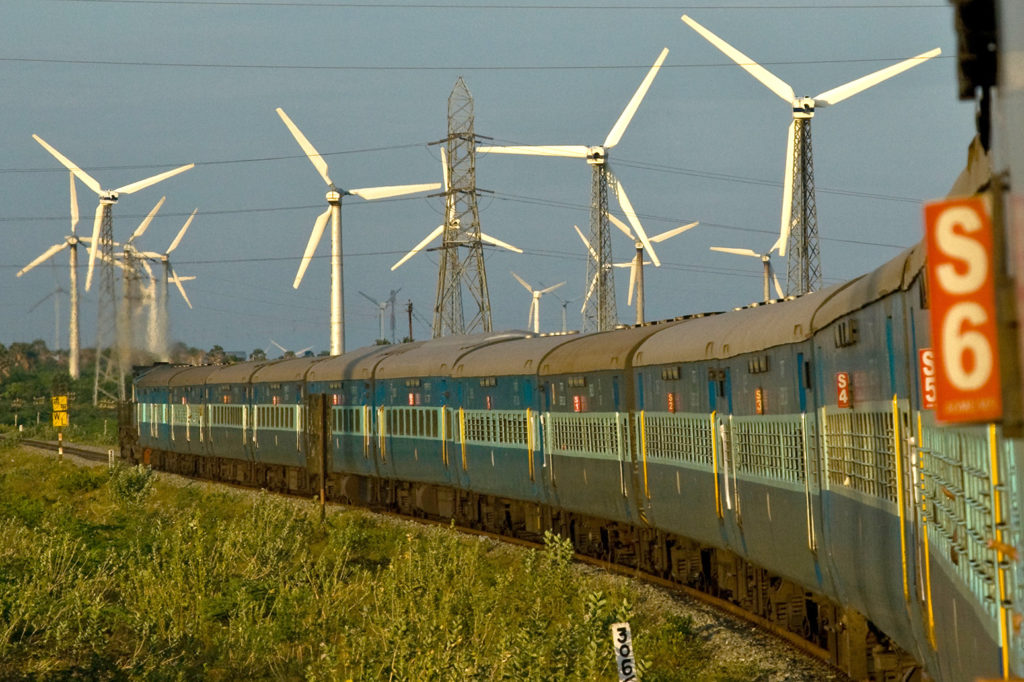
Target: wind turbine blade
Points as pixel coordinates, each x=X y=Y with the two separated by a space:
x=143 y=184
x=778 y=288
x=311 y=153
x=738 y=252
x=673 y=232
x=593 y=283
x=375 y=303
x=766 y=77
x=280 y=347
x=621 y=225
x=570 y=151
x=632 y=282
x=550 y=289
x=627 y=208
x=444 y=169
x=836 y=95
x=521 y=281
x=497 y=242
x=314 y=241
x=93 y=245
x=419 y=247
x=74 y=203
x=86 y=179
x=615 y=134
x=181 y=233
x=787 y=195
x=149 y=270
x=371 y=193
x=56 y=248
x=181 y=289
x=590 y=248
x=144 y=225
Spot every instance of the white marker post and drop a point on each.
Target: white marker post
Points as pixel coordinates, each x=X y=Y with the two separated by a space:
x=625 y=661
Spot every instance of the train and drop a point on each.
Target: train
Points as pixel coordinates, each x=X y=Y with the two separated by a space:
x=782 y=456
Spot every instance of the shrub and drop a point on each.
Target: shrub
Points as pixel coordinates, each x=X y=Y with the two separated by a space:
x=130 y=485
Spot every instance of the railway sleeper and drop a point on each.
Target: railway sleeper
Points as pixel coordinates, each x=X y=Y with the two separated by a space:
x=854 y=644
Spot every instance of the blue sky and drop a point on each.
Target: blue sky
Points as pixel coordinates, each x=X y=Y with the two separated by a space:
x=128 y=89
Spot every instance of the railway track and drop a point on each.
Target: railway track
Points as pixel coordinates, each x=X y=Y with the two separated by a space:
x=723 y=607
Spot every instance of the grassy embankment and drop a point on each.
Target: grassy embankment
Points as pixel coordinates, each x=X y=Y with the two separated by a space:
x=113 y=574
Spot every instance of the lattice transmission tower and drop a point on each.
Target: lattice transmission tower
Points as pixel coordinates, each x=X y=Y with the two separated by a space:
x=804 y=264
x=462 y=258
x=108 y=383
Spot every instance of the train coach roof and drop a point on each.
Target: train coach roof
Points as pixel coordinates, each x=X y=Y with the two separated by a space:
x=897 y=274
x=768 y=325
x=238 y=373
x=437 y=357
x=601 y=351
x=192 y=376
x=288 y=369
x=519 y=356
x=357 y=364
x=158 y=376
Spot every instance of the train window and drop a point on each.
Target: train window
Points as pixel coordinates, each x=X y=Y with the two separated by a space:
x=489 y=381
x=412 y=383
x=845 y=333
x=577 y=382
x=758 y=364
x=670 y=374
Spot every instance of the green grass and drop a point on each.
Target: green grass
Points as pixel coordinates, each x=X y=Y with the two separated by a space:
x=113 y=574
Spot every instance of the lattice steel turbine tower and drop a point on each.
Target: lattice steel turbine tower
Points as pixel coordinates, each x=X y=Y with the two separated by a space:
x=462 y=255
x=798 y=229
x=599 y=311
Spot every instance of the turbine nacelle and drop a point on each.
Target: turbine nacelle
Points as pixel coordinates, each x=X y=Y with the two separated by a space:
x=803 y=107
x=334 y=196
x=596 y=156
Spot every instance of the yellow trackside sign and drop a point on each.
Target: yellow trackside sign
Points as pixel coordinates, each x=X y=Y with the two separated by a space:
x=60 y=403
x=60 y=419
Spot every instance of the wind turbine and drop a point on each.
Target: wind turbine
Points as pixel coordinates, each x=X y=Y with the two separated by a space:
x=70 y=242
x=55 y=295
x=534 y=317
x=594 y=258
x=451 y=222
x=602 y=181
x=382 y=309
x=766 y=260
x=108 y=197
x=800 y=226
x=159 y=326
x=295 y=354
x=334 y=196
x=636 y=271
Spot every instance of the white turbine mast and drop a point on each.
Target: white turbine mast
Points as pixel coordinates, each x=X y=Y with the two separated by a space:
x=334 y=196
x=451 y=222
x=534 y=317
x=766 y=261
x=636 y=267
x=602 y=181
x=798 y=145
x=69 y=242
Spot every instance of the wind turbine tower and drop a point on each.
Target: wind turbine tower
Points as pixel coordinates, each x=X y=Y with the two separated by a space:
x=798 y=230
x=599 y=311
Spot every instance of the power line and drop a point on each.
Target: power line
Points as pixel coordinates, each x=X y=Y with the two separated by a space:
x=322 y=67
x=506 y=6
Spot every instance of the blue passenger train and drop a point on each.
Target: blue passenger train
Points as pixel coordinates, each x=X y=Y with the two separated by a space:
x=716 y=450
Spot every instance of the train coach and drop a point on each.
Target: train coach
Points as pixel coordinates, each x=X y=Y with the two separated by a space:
x=778 y=456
